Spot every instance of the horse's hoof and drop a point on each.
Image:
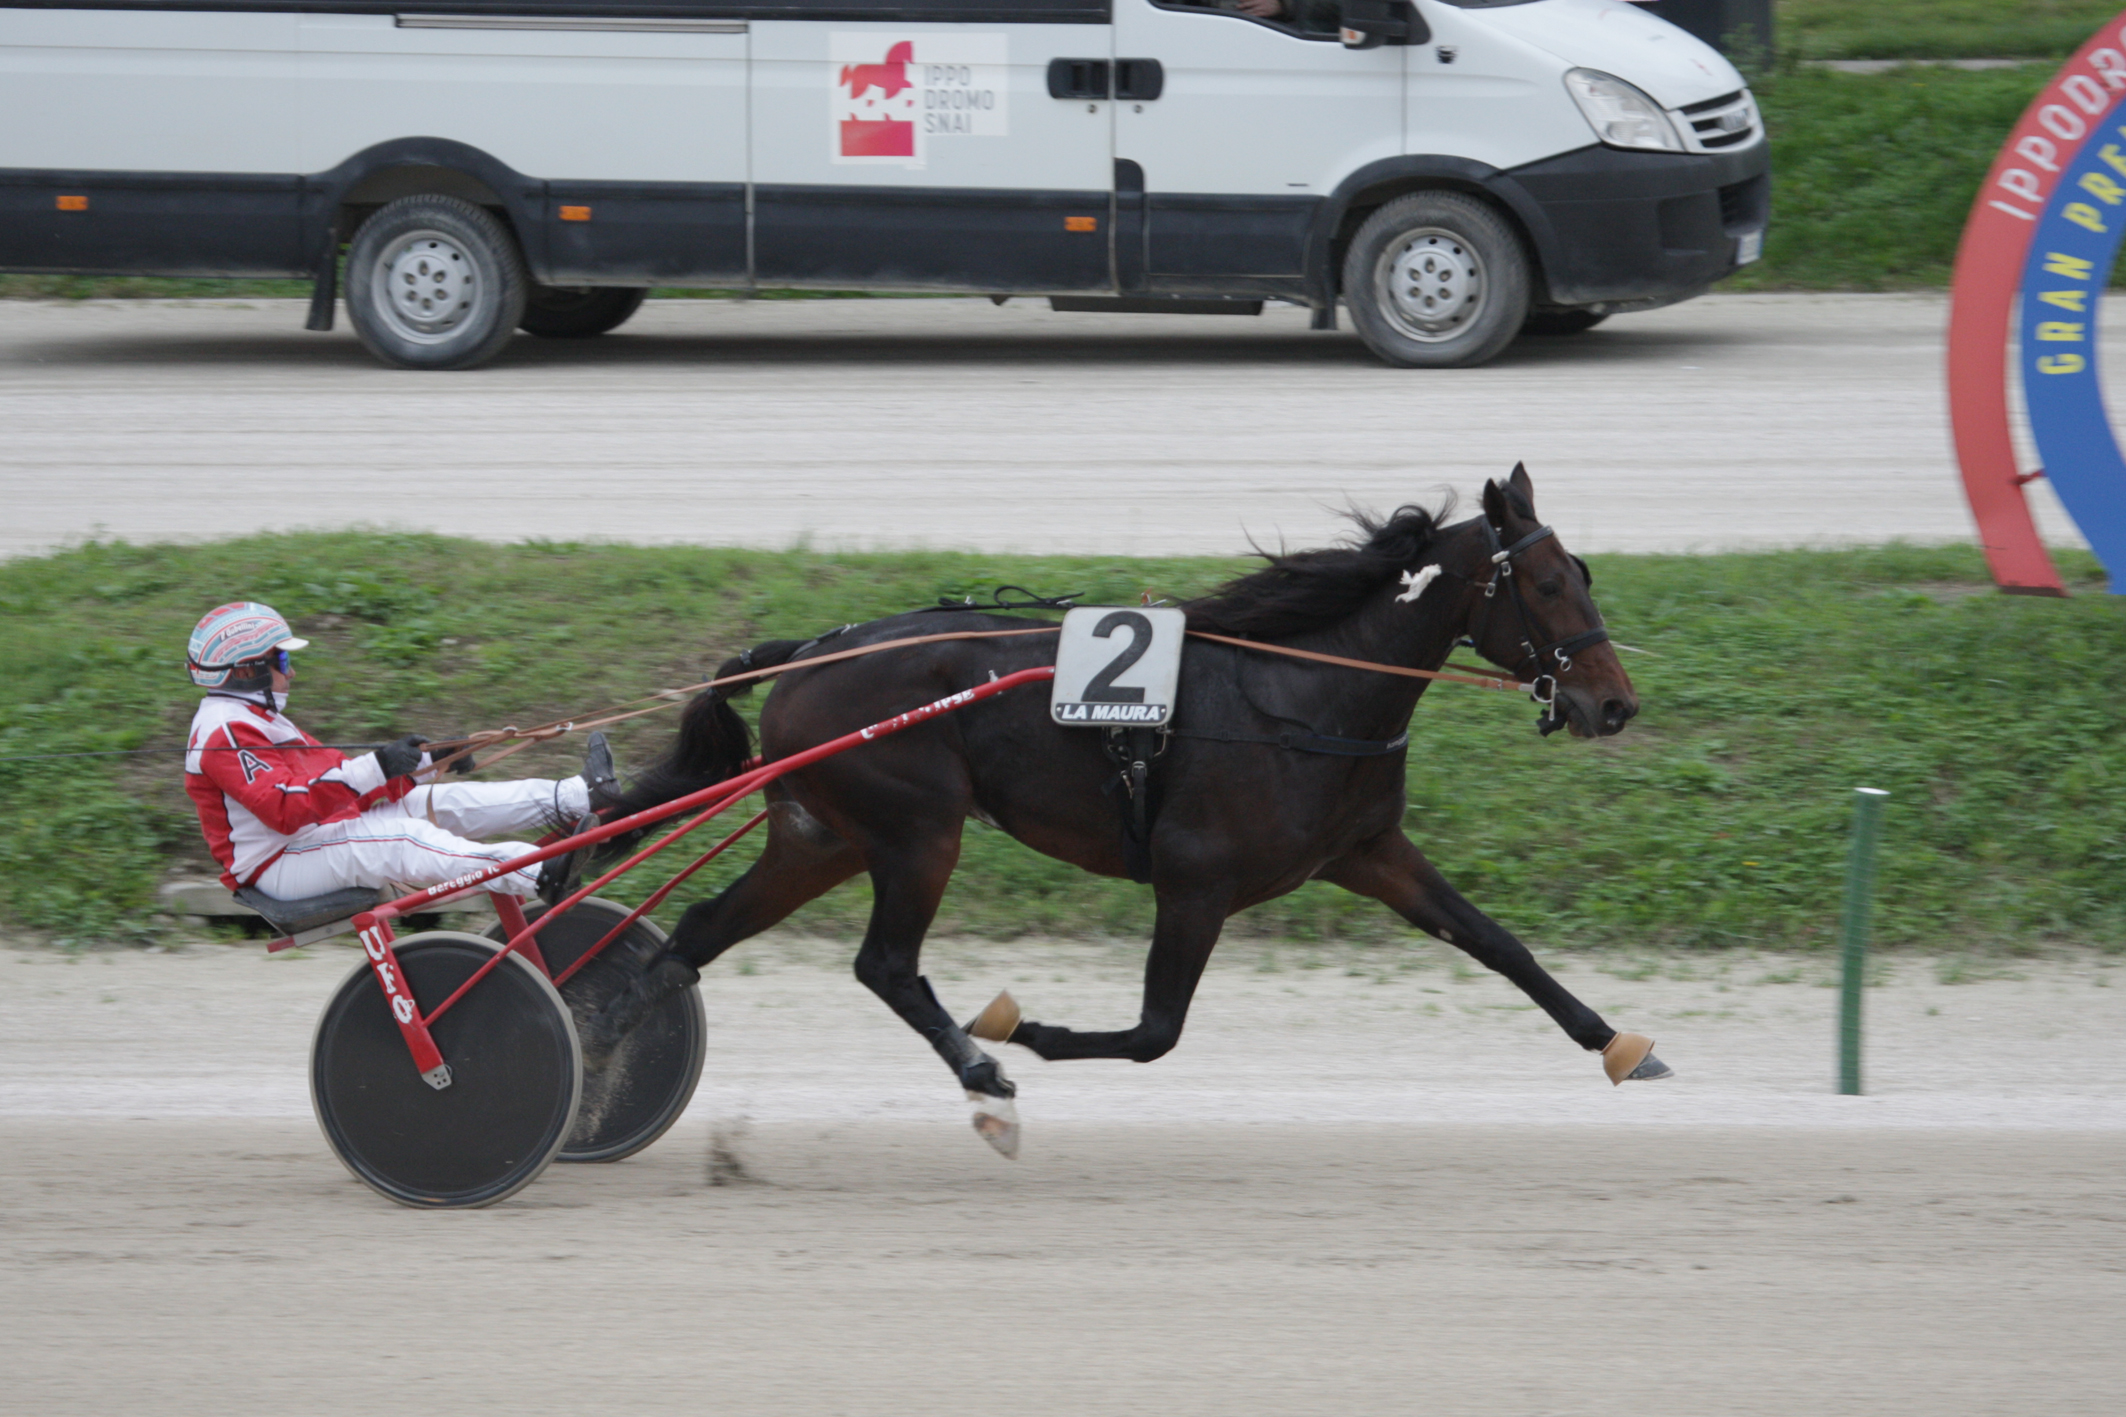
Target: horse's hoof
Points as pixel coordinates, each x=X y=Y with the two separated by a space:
x=1630 y=1058
x=996 y=1022
x=1650 y=1070
x=996 y=1121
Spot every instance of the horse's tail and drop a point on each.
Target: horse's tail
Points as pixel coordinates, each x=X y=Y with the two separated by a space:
x=714 y=743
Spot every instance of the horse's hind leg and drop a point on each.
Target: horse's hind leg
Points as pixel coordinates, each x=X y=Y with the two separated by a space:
x=802 y=861
x=1392 y=870
x=908 y=879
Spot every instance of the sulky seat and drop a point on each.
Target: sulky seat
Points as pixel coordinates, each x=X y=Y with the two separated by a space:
x=316 y=917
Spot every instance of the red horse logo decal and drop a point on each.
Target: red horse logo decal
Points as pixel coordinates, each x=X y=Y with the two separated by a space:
x=888 y=78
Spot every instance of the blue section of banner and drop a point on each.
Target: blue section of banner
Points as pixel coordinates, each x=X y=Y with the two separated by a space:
x=2071 y=253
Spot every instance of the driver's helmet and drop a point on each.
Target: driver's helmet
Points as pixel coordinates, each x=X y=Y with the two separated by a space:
x=240 y=632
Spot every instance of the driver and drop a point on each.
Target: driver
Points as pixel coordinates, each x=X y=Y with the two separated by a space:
x=1309 y=16
x=295 y=819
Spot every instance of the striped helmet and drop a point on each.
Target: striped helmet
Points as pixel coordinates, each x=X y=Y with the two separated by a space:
x=233 y=634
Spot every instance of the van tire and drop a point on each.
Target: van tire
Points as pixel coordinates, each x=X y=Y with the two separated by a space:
x=434 y=283
x=1436 y=280
x=579 y=311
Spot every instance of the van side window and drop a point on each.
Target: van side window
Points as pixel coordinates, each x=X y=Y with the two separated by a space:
x=1308 y=19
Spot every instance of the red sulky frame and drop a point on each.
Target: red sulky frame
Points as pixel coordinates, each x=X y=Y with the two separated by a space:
x=374 y=926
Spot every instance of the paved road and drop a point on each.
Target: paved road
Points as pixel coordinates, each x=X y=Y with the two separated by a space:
x=1358 y=1188
x=1732 y=421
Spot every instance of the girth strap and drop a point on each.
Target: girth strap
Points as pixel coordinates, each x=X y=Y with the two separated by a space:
x=1133 y=751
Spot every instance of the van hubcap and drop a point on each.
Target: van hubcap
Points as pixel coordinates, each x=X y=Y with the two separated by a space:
x=427 y=286
x=1431 y=284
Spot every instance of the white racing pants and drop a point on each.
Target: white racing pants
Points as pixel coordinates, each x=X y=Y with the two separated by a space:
x=424 y=838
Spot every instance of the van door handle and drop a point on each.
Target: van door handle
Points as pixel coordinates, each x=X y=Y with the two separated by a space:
x=1140 y=79
x=1077 y=78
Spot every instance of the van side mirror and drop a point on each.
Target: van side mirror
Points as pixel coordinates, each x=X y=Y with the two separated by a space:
x=1368 y=24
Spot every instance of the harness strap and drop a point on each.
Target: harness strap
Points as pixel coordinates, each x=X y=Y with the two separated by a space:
x=1558 y=652
x=1511 y=686
x=1133 y=751
x=1325 y=743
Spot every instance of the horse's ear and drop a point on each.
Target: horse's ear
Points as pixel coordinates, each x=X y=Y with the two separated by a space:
x=1522 y=490
x=1495 y=508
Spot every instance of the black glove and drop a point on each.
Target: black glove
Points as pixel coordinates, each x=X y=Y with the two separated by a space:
x=464 y=763
x=400 y=758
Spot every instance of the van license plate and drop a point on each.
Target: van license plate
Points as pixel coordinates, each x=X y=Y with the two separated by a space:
x=1749 y=248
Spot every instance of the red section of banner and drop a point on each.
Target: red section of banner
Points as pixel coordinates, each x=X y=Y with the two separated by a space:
x=884 y=138
x=1989 y=267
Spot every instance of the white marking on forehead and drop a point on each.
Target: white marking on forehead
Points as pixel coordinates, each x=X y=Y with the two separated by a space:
x=1414 y=583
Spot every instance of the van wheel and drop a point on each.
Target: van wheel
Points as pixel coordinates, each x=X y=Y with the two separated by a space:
x=1560 y=322
x=434 y=283
x=578 y=311
x=1436 y=280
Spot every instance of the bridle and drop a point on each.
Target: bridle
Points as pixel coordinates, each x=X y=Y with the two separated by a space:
x=1549 y=660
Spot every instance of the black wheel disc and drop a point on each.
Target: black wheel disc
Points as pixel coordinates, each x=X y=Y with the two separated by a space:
x=638 y=1096
x=516 y=1077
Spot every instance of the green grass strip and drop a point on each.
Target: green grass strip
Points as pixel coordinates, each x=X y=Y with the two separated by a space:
x=1873 y=174
x=1778 y=683
x=1937 y=29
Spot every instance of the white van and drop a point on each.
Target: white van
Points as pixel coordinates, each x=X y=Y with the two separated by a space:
x=1453 y=171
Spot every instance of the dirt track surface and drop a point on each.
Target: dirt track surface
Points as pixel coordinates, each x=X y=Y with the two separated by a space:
x=1730 y=421
x=1364 y=1184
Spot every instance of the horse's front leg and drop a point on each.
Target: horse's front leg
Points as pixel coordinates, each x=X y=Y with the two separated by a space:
x=1183 y=937
x=1391 y=869
x=907 y=881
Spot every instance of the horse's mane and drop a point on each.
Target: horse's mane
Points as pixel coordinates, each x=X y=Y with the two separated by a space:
x=1308 y=590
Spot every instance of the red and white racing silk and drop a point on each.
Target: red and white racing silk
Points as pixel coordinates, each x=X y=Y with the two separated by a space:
x=254 y=796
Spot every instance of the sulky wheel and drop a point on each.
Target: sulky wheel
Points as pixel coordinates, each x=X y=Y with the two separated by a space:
x=638 y=1096
x=516 y=1077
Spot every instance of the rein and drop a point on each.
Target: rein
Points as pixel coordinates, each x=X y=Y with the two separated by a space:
x=522 y=738
x=620 y=713
x=519 y=739
x=1481 y=681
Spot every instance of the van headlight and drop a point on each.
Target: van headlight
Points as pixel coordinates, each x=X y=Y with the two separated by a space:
x=1621 y=115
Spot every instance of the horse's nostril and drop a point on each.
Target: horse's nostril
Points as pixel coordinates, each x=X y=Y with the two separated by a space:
x=1616 y=712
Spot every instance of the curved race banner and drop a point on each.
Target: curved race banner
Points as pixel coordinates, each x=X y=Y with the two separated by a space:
x=2045 y=227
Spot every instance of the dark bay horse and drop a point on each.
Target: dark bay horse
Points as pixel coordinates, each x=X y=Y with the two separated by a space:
x=1279 y=772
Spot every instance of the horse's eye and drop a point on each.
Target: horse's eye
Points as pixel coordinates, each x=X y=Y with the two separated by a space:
x=1547 y=589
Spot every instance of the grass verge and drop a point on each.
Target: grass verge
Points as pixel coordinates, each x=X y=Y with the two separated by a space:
x=1873 y=174
x=1779 y=682
x=1938 y=29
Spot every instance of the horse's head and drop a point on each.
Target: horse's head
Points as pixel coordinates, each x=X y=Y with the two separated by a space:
x=1536 y=617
